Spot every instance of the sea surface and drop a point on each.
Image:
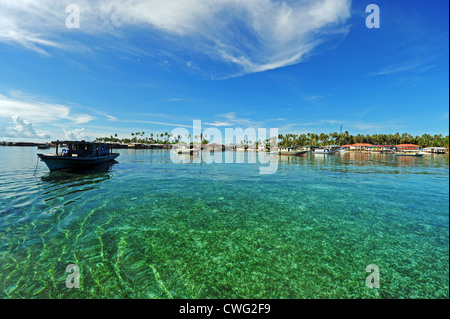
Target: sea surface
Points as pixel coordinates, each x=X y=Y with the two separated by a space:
x=146 y=227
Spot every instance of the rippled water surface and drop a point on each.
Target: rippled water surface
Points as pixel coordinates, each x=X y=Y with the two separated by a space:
x=149 y=228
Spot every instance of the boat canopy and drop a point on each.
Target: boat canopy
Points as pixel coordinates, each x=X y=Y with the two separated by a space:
x=76 y=142
x=83 y=148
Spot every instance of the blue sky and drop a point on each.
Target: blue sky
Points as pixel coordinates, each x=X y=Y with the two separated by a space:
x=153 y=66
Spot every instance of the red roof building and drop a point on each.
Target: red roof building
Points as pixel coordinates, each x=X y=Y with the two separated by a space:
x=407 y=147
x=362 y=144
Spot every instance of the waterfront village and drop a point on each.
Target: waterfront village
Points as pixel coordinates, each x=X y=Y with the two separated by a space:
x=356 y=147
x=285 y=143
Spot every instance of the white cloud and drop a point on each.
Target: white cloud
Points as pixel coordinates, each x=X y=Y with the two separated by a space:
x=29 y=107
x=82 y=118
x=24 y=129
x=76 y=134
x=246 y=36
x=218 y=124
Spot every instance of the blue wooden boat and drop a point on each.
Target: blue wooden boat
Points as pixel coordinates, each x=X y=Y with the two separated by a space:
x=78 y=155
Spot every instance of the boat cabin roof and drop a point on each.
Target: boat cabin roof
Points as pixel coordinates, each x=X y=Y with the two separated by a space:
x=77 y=142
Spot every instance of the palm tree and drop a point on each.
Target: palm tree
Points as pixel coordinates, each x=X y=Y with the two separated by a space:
x=314 y=139
x=323 y=138
x=335 y=138
x=308 y=137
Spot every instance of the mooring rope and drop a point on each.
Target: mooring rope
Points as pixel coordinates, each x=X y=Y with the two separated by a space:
x=37 y=163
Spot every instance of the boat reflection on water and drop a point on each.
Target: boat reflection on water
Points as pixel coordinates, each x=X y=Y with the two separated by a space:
x=95 y=173
x=66 y=185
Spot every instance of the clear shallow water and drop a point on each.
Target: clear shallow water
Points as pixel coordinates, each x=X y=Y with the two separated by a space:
x=148 y=228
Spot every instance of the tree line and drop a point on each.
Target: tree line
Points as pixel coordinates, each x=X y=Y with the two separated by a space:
x=140 y=138
x=322 y=139
x=290 y=140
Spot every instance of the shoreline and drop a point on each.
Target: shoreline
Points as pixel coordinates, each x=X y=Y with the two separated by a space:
x=217 y=147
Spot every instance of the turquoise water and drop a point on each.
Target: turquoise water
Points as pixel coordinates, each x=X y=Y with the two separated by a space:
x=148 y=228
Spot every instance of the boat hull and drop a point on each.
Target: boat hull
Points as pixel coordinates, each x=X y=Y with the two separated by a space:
x=410 y=155
x=187 y=152
x=293 y=153
x=325 y=153
x=62 y=162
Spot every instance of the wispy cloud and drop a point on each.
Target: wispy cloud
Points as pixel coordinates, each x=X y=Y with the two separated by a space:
x=218 y=124
x=235 y=120
x=32 y=24
x=105 y=115
x=175 y=100
x=403 y=67
x=159 y=123
x=245 y=36
x=313 y=97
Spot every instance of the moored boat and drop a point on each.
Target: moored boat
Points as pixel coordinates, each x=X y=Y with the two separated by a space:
x=292 y=152
x=78 y=154
x=324 y=151
x=287 y=151
x=188 y=151
x=183 y=150
x=409 y=154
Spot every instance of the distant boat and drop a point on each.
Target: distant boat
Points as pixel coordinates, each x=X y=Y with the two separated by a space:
x=186 y=151
x=43 y=146
x=324 y=151
x=292 y=152
x=78 y=154
x=408 y=154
